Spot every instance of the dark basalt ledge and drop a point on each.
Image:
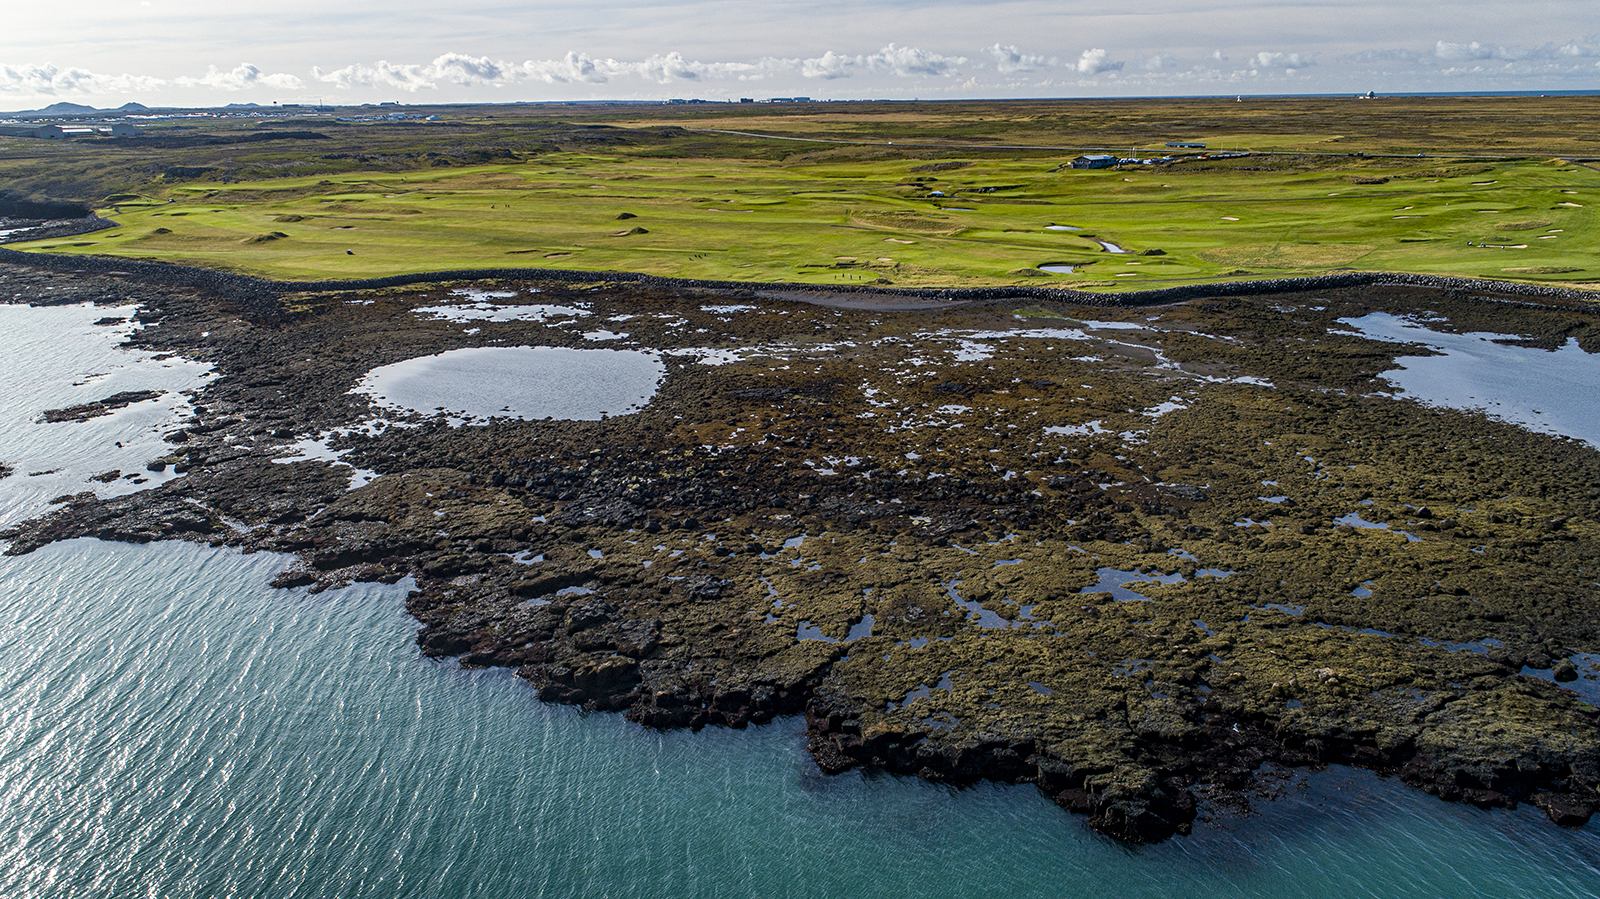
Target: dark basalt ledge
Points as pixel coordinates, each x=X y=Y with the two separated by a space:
x=46 y=228
x=1132 y=713
x=110 y=404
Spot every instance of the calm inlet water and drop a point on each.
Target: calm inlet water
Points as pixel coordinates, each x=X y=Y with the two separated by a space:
x=1553 y=391
x=172 y=727
x=56 y=357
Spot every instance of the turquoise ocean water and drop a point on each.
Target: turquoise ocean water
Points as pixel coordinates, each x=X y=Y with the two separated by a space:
x=172 y=727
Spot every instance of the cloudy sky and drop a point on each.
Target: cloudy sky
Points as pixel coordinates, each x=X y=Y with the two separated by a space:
x=206 y=53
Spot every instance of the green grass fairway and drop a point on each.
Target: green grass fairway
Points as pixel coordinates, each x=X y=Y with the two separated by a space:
x=856 y=214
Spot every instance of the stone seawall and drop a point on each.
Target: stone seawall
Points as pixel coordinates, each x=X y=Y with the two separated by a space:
x=259 y=295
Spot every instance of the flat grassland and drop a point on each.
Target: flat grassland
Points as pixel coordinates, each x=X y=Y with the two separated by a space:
x=902 y=194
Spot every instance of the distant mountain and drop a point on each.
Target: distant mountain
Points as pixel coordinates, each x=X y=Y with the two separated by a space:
x=65 y=109
x=242 y=106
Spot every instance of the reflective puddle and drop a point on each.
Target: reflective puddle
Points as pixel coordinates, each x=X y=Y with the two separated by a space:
x=1544 y=390
x=518 y=382
x=1114 y=581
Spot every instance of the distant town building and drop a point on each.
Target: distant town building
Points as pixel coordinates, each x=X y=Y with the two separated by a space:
x=1094 y=161
x=57 y=132
x=46 y=132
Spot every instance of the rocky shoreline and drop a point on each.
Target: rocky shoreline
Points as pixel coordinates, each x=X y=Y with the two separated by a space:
x=862 y=517
x=42 y=229
x=256 y=292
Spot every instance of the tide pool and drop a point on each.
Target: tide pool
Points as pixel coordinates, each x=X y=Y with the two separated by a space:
x=1553 y=391
x=519 y=382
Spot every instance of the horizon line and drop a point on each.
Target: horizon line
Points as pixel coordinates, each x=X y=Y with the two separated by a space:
x=792 y=101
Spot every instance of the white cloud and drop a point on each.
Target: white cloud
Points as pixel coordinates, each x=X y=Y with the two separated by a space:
x=1094 y=62
x=1385 y=57
x=512 y=50
x=1529 y=58
x=49 y=80
x=575 y=67
x=581 y=68
x=467 y=70
x=1474 y=50
x=665 y=69
x=902 y=62
x=1267 y=60
x=241 y=77
x=828 y=65
x=1009 y=59
x=909 y=61
x=504 y=67
x=383 y=74
x=456 y=68
x=673 y=67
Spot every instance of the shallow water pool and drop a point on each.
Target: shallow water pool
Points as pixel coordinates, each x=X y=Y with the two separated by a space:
x=519 y=382
x=1552 y=391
